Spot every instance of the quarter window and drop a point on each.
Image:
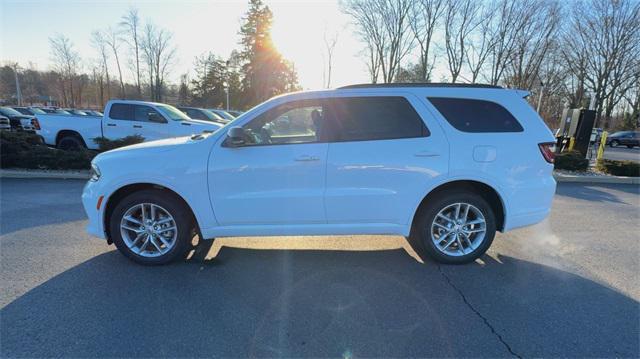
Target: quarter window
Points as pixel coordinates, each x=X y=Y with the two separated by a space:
x=120 y=111
x=471 y=115
x=374 y=118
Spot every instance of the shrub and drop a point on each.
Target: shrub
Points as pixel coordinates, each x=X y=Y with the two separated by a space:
x=25 y=150
x=619 y=168
x=572 y=161
x=106 y=144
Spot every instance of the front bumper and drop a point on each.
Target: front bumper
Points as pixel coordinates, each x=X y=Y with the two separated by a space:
x=90 y=196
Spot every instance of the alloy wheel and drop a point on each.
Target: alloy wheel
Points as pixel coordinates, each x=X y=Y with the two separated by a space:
x=148 y=230
x=458 y=229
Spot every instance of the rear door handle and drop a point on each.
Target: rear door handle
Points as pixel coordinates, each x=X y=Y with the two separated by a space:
x=426 y=154
x=111 y=124
x=137 y=126
x=307 y=158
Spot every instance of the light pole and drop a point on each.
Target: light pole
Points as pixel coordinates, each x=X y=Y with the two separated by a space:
x=18 y=92
x=540 y=97
x=226 y=89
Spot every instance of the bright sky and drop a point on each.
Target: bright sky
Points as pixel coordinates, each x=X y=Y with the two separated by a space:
x=197 y=26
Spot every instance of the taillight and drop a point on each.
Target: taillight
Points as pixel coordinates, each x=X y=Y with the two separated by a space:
x=548 y=150
x=35 y=123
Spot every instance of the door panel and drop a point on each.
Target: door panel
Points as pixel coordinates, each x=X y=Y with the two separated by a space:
x=380 y=181
x=272 y=184
x=128 y=120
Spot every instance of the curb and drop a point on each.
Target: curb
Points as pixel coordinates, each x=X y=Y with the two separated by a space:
x=84 y=175
x=596 y=179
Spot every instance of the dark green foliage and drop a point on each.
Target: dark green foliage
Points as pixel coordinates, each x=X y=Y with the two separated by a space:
x=619 y=168
x=572 y=161
x=105 y=144
x=24 y=150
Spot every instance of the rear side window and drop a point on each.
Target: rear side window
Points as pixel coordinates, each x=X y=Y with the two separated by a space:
x=120 y=111
x=470 y=115
x=373 y=118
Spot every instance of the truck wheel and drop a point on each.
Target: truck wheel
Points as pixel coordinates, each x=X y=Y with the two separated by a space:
x=152 y=227
x=71 y=143
x=455 y=227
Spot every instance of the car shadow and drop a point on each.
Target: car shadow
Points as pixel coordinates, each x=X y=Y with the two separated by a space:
x=302 y=303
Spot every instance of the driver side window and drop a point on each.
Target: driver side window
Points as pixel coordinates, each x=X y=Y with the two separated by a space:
x=293 y=122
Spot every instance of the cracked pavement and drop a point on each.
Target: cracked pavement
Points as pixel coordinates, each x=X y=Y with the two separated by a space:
x=567 y=287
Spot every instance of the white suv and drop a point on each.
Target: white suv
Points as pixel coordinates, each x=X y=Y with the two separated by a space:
x=444 y=165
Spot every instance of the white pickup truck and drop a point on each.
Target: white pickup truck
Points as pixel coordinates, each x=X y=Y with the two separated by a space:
x=122 y=118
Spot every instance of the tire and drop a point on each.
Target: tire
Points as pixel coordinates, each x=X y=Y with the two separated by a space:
x=173 y=244
x=629 y=146
x=614 y=143
x=71 y=143
x=421 y=234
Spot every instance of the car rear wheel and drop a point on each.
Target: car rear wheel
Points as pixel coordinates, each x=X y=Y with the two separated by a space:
x=71 y=143
x=454 y=227
x=152 y=227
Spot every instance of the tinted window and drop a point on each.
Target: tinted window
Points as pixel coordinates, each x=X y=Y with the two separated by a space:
x=293 y=122
x=143 y=113
x=470 y=115
x=120 y=111
x=374 y=118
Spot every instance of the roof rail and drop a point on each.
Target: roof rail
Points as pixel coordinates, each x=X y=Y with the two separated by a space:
x=420 y=84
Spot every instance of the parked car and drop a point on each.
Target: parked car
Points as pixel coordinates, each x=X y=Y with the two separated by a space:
x=18 y=121
x=222 y=113
x=235 y=113
x=203 y=114
x=93 y=113
x=55 y=111
x=76 y=112
x=5 y=124
x=626 y=138
x=122 y=118
x=445 y=165
x=29 y=111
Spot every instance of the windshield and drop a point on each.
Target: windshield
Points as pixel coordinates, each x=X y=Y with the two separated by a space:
x=37 y=111
x=62 y=112
x=9 y=111
x=172 y=113
x=213 y=116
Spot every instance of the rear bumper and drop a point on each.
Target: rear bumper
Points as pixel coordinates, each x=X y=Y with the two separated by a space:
x=530 y=204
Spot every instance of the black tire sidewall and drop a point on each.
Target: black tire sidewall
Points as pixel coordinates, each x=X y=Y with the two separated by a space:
x=422 y=230
x=71 y=139
x=169 y=202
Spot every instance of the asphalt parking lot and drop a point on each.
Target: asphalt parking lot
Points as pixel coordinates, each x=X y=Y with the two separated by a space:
x=622 y=153
x=567 y=287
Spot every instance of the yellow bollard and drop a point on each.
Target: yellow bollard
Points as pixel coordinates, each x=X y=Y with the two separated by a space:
x=603 y=141
x=572 y=141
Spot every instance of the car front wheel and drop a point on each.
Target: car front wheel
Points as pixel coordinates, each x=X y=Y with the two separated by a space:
x=614 y=143
x=152 y=227
x=454 y=227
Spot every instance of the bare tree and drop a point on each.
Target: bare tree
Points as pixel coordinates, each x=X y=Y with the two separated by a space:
x=66 y=61
x=99 y=43
x=384 y=26
x=460 y=20
x=423 y=20
x=131 y=24
x=481 y=43
x=112 y=39
x=159 y=55
x=330 y=42
x=605 y=39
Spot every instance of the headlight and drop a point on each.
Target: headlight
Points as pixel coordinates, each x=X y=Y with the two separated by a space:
x=95 y=173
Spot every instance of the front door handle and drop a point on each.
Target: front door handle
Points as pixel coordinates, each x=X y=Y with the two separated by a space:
x=137 y=126
x=111 y=124
x=307 y=158
x=426 y=154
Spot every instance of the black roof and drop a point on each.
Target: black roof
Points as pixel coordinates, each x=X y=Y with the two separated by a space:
x=420 y=84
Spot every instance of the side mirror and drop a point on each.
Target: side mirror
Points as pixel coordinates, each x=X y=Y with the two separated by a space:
x=236 y=136
x=156 y=118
